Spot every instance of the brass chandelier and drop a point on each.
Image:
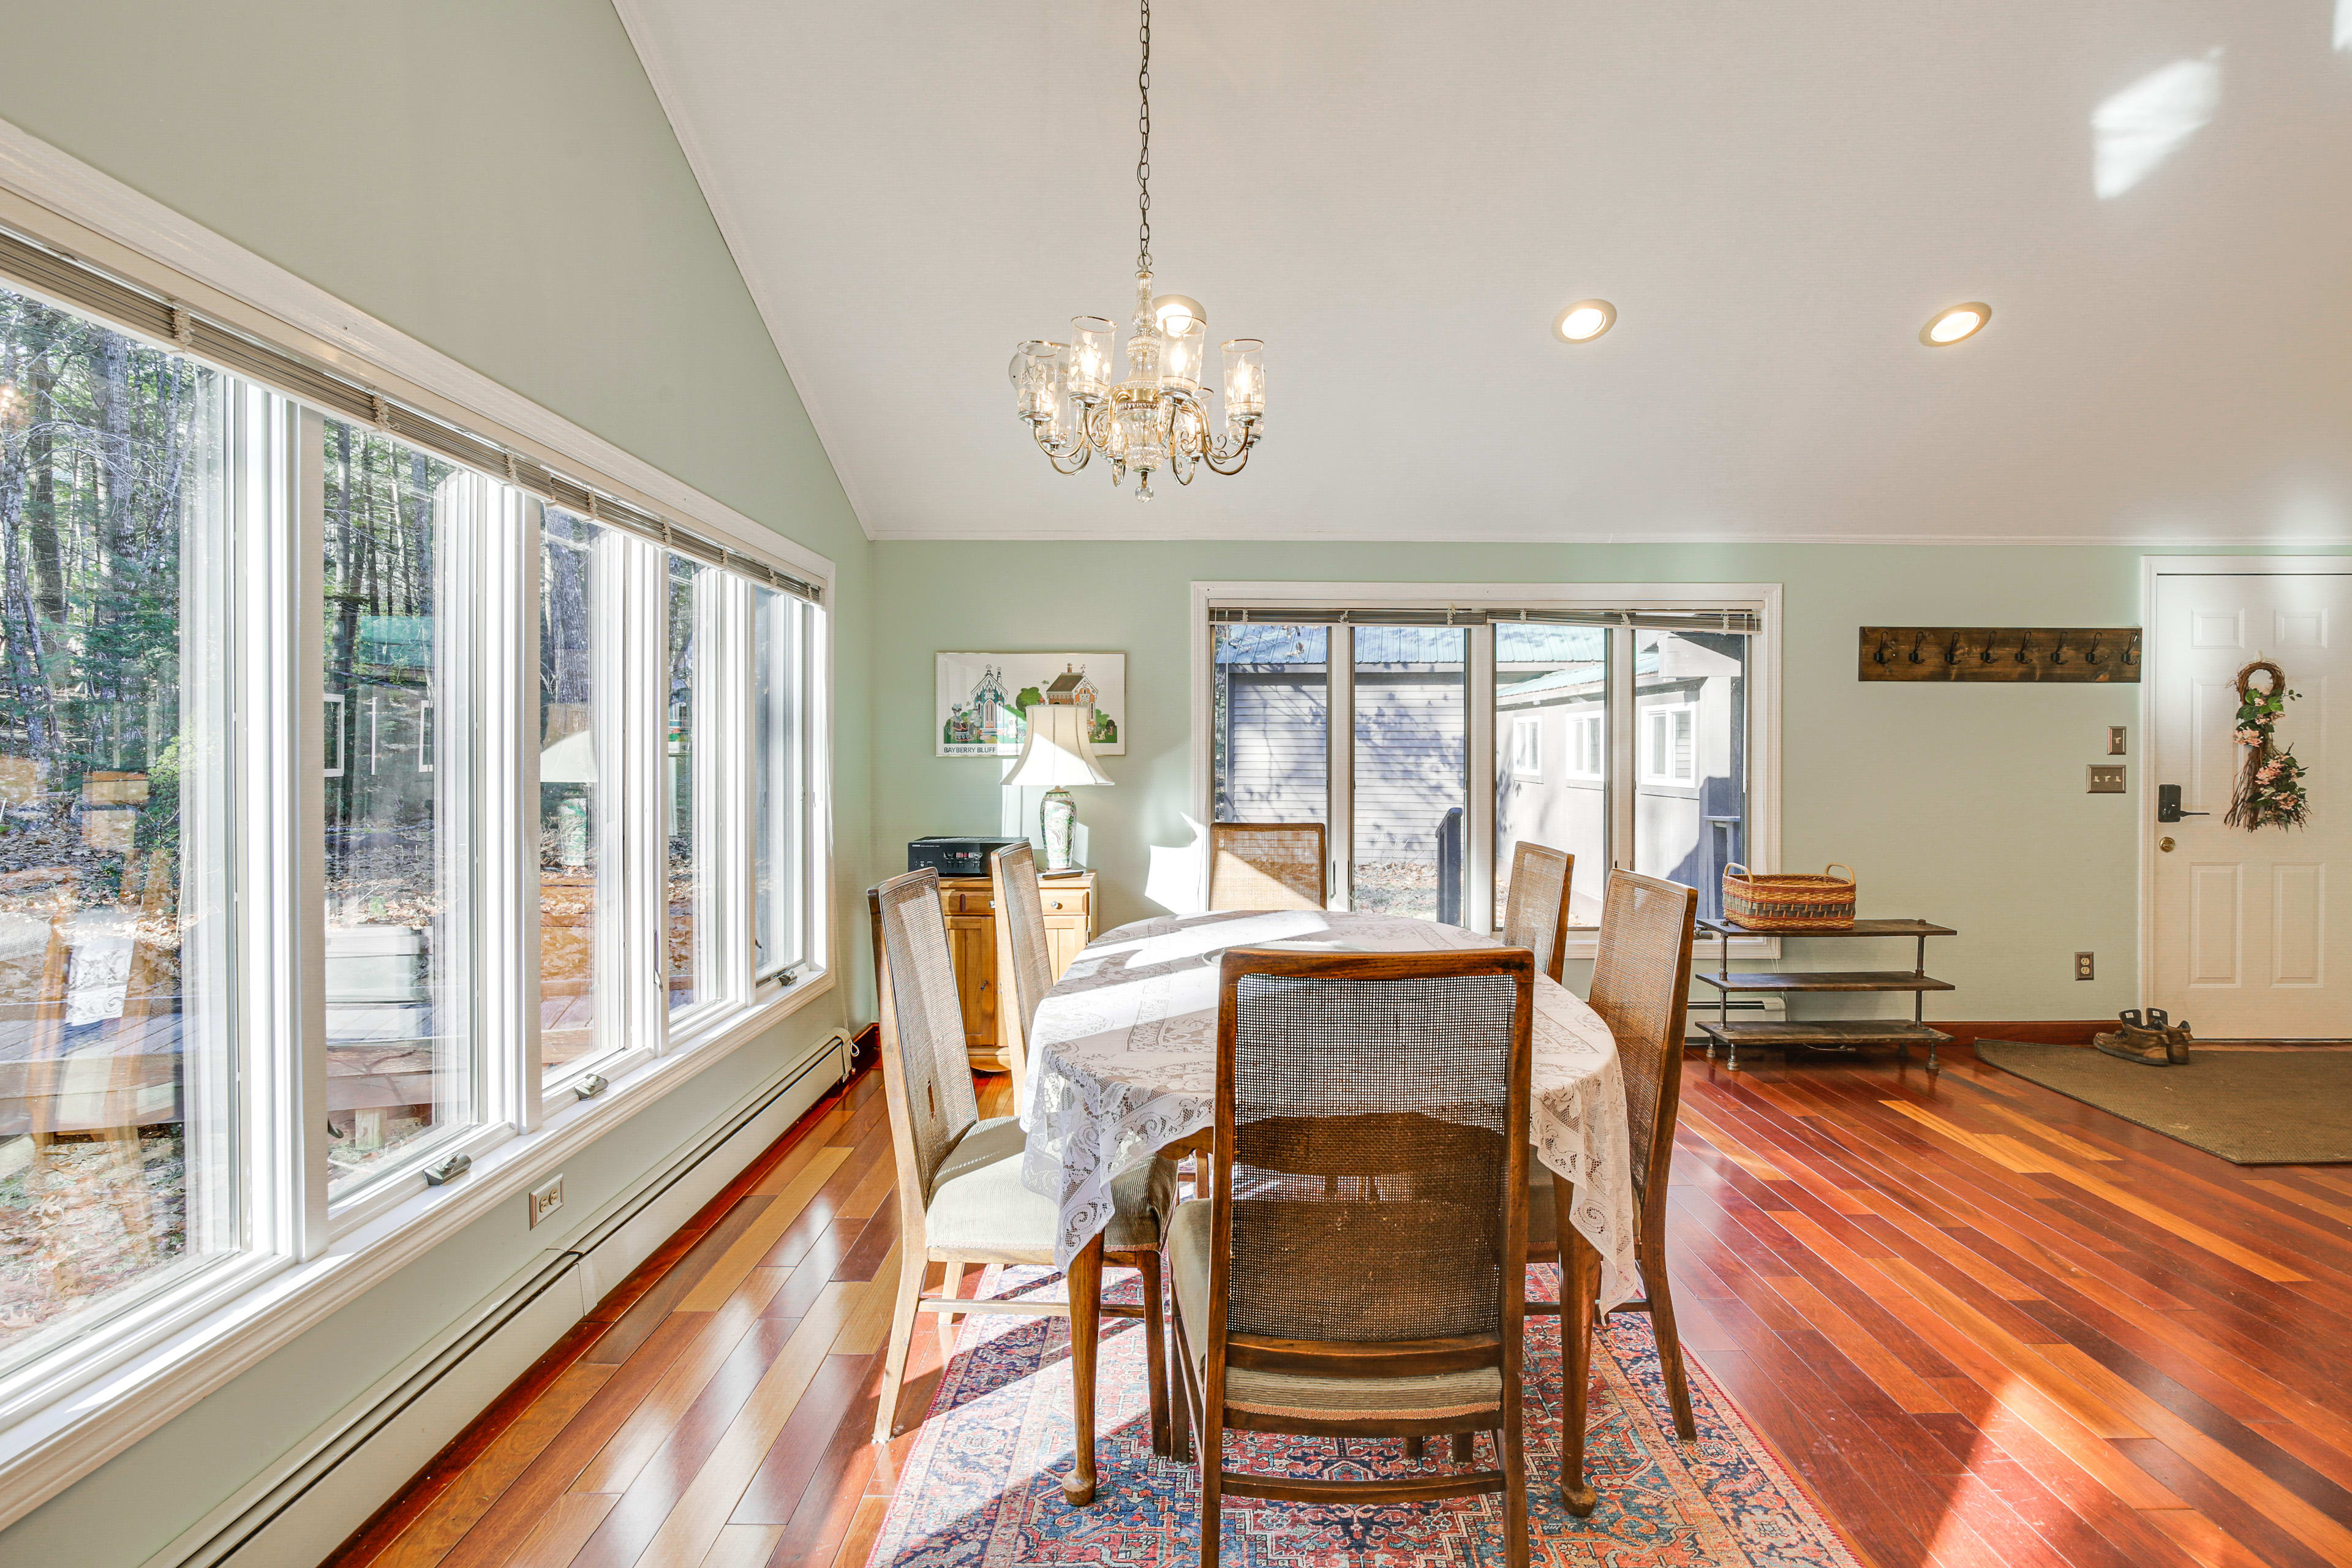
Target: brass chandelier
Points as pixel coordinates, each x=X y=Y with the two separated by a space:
x=1159 y=418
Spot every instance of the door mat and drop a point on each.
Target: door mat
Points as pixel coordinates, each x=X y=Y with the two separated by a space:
x=2251 y=1107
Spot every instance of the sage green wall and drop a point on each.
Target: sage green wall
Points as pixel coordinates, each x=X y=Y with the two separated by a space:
x=1964 y=804
x=498 y=181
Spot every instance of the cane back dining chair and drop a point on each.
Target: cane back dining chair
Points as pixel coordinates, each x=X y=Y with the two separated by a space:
x=1025 y=957
x=1266 y=866
x=1358 y=1268
x=960 y=1196
x=1535 y=918
x=1641 y=981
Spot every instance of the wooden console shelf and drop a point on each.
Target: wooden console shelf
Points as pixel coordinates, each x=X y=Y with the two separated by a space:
x=1828 y=1035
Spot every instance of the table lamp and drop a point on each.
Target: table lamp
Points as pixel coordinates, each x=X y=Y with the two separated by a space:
x=1057 y=754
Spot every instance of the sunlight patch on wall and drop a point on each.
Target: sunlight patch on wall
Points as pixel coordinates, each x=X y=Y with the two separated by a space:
x=2135 y=131
x=2343 y=24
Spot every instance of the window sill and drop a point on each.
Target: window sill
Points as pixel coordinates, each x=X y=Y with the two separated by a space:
x=168 y=1354
x=1583 y=946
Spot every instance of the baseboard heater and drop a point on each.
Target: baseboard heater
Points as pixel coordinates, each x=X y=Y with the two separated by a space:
x=249 y=1524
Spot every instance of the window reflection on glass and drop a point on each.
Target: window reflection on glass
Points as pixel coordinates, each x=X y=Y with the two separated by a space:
x=1691 y=733
x=576 y=558
x=1553 y=681
x=781 y=629
x=680 y=825
x=116 y=1072
x=396 y=999
x=1271 y=722
x=1411 y=771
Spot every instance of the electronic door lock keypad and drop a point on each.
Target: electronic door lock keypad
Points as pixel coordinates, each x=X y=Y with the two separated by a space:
x=2167 y=805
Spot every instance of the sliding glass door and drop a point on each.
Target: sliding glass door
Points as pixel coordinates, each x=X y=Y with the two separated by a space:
x=1620 y=736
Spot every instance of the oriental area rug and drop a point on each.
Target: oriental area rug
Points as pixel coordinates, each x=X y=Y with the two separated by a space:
x=981 y=1488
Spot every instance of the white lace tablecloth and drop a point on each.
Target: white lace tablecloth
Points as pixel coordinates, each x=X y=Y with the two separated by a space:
x=1123 y=1060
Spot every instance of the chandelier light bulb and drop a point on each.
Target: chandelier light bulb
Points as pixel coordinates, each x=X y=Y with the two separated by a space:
x=1160 y=416
x=1177 y=313
x=1961 y=321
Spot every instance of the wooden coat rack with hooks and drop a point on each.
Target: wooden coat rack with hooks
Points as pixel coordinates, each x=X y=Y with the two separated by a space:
x=2112 y=655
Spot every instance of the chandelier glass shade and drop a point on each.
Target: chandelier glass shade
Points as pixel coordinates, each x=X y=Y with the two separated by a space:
x=1161 y=414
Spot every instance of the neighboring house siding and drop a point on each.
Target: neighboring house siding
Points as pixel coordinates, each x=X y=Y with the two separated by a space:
x=1410 y=767
x=1276 y=761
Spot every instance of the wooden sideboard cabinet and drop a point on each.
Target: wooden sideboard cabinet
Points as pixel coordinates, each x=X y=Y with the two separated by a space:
x=971 y=908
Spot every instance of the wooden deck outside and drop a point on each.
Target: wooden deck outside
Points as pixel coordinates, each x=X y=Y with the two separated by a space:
x=1986 y=1324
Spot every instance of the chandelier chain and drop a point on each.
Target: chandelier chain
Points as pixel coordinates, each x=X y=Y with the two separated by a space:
x=1143 y=159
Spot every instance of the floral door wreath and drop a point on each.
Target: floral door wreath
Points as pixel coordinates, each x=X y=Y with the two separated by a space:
x=2270 y=785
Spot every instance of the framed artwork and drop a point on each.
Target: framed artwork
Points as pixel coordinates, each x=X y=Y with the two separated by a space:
x=981 y=696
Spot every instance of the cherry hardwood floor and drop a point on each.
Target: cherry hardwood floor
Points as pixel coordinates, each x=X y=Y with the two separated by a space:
x=1985 y=1324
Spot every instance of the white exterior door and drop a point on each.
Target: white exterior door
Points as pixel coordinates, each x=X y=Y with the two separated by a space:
x=2250 y=933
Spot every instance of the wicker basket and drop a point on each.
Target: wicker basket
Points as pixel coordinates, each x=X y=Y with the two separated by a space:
x=1794 y=901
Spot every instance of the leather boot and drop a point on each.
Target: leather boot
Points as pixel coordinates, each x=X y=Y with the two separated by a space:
x=2136 y=1041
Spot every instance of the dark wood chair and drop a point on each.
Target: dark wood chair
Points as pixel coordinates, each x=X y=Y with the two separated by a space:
x=1641 y=980
x=1266 y=866
x=1536 y=916
x=1358 y=1269
x=960 y=1196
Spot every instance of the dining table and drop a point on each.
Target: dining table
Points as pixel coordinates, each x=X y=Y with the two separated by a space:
x=1121 y=1063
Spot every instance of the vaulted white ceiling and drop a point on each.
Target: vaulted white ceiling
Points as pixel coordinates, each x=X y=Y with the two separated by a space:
x=2154 y=197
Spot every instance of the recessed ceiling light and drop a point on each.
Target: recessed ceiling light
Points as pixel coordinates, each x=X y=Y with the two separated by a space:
x=1961 y=321
x=1585 y=320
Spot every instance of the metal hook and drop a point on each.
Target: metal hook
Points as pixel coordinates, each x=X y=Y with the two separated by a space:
x=2092 y=656
x=1985 y=656
x=2131 y=654
x=1916 y=639
x=1885 y=645
x=1952 y=654
x=2058 y=655
x=2025 y=649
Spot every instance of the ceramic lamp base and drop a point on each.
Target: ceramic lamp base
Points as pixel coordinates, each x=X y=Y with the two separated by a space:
x=1057 y=819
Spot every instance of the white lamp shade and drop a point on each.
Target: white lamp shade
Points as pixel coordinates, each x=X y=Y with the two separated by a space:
x=1056 y=753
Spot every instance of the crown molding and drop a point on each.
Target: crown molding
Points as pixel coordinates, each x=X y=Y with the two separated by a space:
x=2157 y=542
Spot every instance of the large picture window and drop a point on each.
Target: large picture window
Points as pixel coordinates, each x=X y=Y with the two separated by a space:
x=119 y=1130
x=1618 y=729
x=785 y=814
x=311 y=718
x=581 y=930
x=398 y=805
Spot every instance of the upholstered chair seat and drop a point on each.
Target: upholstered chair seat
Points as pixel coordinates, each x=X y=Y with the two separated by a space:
x=981 y=1210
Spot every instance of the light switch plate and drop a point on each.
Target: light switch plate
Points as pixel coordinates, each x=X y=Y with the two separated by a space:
x=545 y=1199
x=2107 y=779
x=2114 y=739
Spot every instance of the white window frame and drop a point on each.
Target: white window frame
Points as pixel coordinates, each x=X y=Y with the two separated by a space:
x=1581 y=723
x=1665 y=777
x=1527 y=747
x=1763 y=690
x=135 y=1369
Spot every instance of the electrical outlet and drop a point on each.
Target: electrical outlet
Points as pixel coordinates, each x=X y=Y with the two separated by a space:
x=2114 y=739
x=545 y=1199
x=2082 y=967
x=2106 y=778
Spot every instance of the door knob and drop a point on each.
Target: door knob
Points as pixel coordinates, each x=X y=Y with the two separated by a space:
x=2165 y=844
x=2167 y=805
